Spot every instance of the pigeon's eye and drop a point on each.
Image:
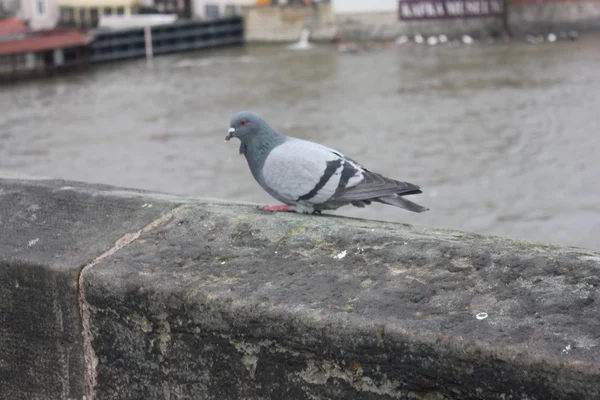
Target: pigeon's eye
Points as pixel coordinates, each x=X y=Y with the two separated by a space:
x=243 y=122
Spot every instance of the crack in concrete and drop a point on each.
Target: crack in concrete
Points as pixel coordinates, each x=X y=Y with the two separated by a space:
x=90 y=361
x=89 y=355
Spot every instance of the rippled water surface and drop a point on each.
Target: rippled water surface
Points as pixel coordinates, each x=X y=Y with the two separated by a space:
x=502 y=139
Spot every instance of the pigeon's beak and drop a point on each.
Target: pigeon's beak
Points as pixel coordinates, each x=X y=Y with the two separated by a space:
x=230 y=133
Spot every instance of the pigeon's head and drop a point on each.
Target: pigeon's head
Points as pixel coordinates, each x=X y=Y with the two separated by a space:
x=245 y=124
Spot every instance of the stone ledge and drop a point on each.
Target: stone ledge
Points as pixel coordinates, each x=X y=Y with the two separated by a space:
x=49 y=230
x=217 y=301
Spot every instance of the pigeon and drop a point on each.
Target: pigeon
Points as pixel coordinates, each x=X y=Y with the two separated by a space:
x=309 y=177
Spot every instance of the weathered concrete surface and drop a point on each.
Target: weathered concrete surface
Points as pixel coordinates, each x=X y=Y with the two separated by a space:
x=48 y=231
x=217 y=301
x=227 y=302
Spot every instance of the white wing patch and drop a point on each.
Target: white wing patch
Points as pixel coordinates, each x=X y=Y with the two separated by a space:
x=357 y=177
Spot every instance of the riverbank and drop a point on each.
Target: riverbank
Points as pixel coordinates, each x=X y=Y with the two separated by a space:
x=285 y=23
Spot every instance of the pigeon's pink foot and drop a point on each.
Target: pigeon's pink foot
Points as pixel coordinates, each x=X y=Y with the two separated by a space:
x=282 y=207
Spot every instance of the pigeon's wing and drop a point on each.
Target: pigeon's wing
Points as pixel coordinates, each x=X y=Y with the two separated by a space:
x=299 y=170
x=358 y=183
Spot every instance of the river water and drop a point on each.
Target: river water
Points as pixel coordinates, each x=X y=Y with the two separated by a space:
x=503 y=139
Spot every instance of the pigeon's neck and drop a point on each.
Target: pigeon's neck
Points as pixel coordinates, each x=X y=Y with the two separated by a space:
x=257 y=148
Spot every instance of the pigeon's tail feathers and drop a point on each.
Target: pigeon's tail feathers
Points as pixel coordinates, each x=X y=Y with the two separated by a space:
x=374 y=185
x=407 y=193
x=399 y=201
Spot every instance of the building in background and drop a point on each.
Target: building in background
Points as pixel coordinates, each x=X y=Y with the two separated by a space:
x=28 y=53
x=38 y=14
x=87 y=13
x=213 y=9
x=165 y=6
x=362 y=6
x=288 y=2
x=11 y=29
x=8 y=8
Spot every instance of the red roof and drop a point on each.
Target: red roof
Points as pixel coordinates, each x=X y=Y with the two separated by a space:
x=10 y=27
x=44 y=41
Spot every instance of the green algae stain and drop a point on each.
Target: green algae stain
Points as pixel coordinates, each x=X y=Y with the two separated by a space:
x=298 y=230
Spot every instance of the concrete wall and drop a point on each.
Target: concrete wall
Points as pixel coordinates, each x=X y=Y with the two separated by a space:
x=530 y=17
x=524 y=18
x=108 y=293
x=361 y=20
x=533 y=17
x=386 y=26
x=284 y=23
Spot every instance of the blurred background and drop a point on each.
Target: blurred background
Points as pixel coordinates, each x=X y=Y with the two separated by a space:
x=491 y=106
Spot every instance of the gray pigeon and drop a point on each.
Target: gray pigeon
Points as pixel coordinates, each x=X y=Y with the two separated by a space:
x=308 y=177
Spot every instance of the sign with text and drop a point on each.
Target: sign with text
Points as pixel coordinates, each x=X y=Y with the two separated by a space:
x=437 y=9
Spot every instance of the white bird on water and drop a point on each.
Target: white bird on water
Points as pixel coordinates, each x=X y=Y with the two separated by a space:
x=419 y=39
x=534 y=39
x=403 y=39
x=302 y=43
x=432 y=40
x=551 y=37
x=443 y=38
x=466 y=39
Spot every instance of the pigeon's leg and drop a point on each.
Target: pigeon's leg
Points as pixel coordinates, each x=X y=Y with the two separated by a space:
x=282 y=207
